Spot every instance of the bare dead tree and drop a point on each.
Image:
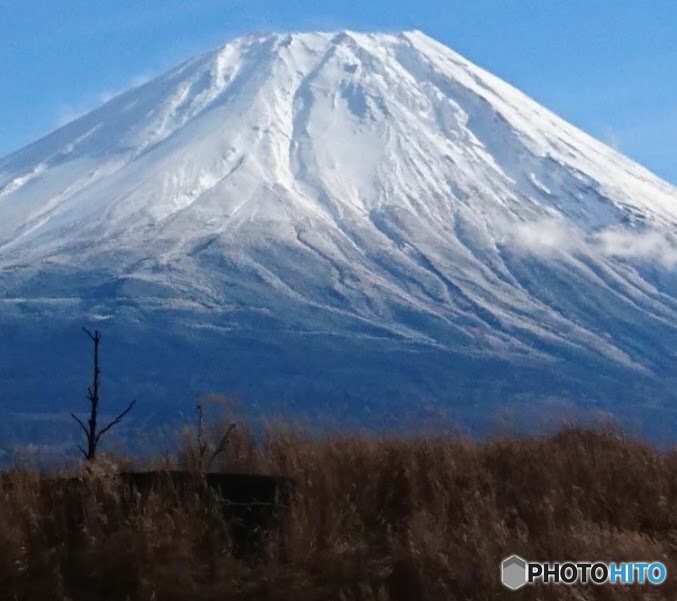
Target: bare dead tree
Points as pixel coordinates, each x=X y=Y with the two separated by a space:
x=92 y=433
x=203 y=445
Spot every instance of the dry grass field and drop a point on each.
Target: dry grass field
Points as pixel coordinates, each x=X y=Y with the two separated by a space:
x=371 y=519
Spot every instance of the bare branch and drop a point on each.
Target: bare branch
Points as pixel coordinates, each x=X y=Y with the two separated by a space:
x=82 y=425
x=83 y=452
x=116 y=421
x=95 y=336
x=221 y=446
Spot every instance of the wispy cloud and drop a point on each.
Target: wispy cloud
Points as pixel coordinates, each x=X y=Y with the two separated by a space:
x=67 y=113
x=646 y=246
x=544 y=237
x=610 y=138
x=551 y=237
x=134 y=82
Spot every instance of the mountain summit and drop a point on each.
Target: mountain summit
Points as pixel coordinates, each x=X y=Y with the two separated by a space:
x=343 y=218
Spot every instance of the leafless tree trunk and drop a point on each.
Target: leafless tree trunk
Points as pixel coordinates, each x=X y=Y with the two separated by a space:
x=92 y=433
x=204 y=462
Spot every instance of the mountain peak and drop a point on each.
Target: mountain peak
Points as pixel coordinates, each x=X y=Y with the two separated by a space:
x=269 y=103
x=377 y=187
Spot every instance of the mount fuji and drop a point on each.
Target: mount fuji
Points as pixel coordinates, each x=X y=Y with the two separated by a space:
x=364 y=224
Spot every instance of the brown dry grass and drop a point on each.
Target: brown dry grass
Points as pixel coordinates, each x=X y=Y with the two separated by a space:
x=372 y=519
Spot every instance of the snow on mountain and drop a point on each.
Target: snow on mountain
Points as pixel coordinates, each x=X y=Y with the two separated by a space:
x=394 y=220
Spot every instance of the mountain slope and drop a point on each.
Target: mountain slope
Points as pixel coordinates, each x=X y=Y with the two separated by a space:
x=355 y=216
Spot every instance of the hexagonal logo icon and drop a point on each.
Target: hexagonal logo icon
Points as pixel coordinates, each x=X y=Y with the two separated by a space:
x=514 y=572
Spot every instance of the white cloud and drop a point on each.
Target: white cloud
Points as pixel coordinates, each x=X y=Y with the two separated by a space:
x=134 y=82
x=611 y=139
x=551 y=237
x=544 y=237
x=645 y=246
x=68 y=113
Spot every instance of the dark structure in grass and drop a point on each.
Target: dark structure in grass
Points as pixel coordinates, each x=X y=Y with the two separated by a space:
x=241 y=509
x=252 y=504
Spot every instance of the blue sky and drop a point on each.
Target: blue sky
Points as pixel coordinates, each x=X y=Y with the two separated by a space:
x=608 y=66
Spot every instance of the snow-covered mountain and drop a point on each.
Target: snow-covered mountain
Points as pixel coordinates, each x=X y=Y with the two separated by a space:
x=346 y=219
